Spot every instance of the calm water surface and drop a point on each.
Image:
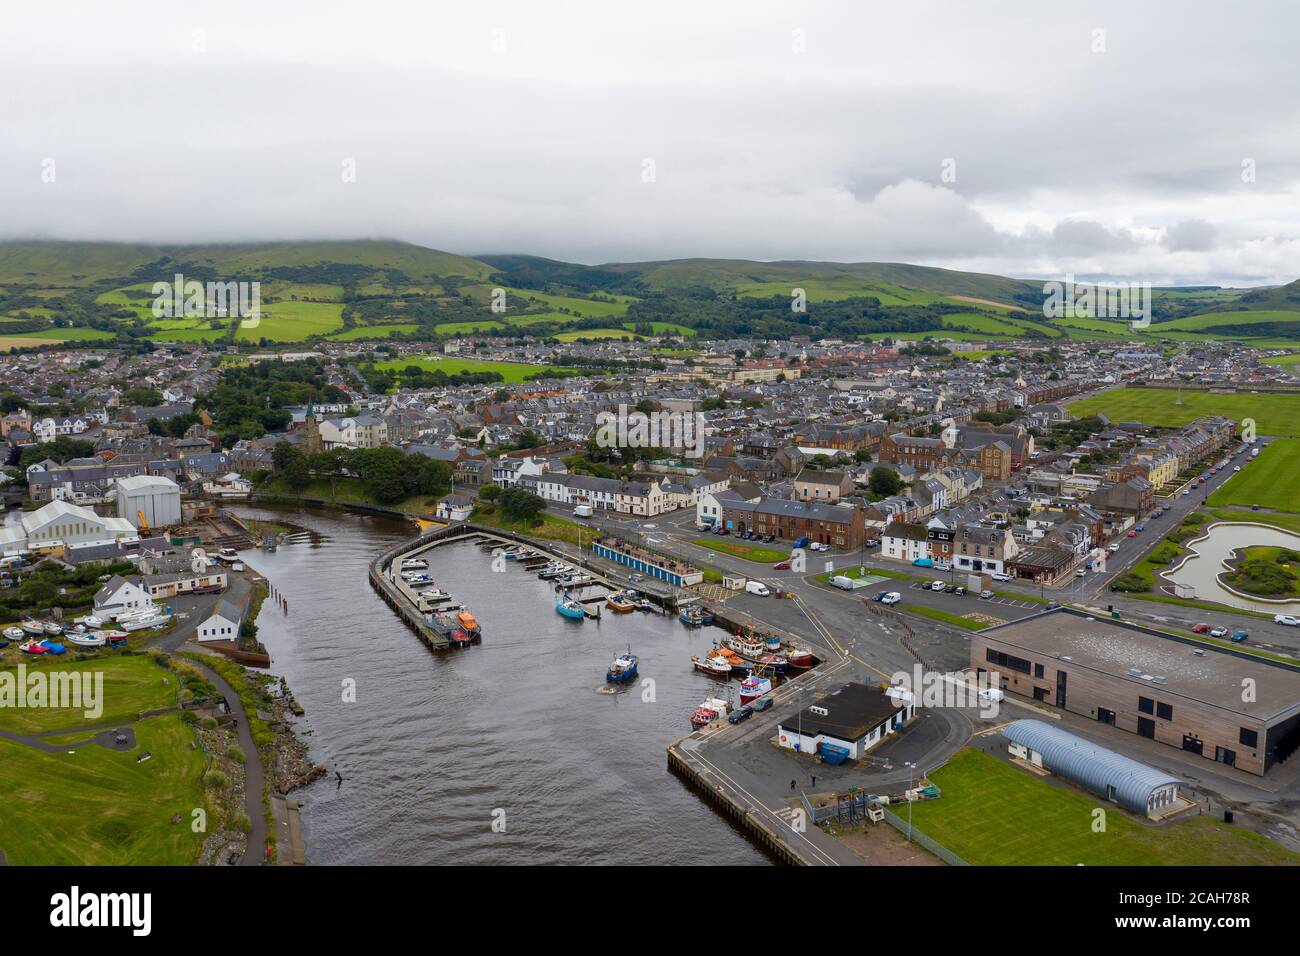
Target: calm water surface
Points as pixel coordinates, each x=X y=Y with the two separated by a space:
x=523 y=723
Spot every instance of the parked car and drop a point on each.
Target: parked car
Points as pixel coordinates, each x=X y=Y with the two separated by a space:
x=936 y=585
x=768 y=539
x=893 y=597
x=1238 y=468
x=802 y=542
x=1218 y=632
x=763 y=703
x=1113 y=549
x=1200 y=629
x=781 y=566
x=739 y=714
x=1000 y=576
x=986 y=594
x=636 y=576
x=1286 y=619
x=880 y=595
x=1132 y=534
x=1080 y=573
x=959 y=591
x=1239 y=636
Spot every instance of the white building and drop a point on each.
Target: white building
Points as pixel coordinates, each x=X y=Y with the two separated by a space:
x=59 y=527
x=156 y=498
x=120 y=595
x=856 y=718
x=224 y=623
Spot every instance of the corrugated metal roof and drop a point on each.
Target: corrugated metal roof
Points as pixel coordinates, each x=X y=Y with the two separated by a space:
x=1088 y=764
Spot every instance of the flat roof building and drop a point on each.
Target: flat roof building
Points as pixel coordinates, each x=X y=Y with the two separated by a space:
x=856 y=717
x=1228 y=706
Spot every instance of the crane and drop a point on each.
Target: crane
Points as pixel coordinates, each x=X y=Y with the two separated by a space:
x=143 y=523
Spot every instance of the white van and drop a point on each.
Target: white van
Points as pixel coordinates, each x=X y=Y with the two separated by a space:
x=1000 y=576
x=582 y=511
x=841 y=582
x=759 y=588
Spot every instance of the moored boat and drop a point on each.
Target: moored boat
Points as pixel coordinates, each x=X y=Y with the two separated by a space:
x=575 y=580
x=568 y=607
x=773 y=642
x=711 y=666
x=469 y=624
x=709 y=711
x=696 y=615
x=553 y=570
x=800 y=659
x=620 y=602
x=746 y=647
x=623 y=668
x=752 y=688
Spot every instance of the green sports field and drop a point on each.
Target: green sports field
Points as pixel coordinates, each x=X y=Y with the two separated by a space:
x=511 y=371
x=1271 y=481
x=992 y=813
x=1274 y=414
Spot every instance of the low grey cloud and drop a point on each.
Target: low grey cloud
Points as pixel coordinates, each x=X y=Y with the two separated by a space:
x=999 y=141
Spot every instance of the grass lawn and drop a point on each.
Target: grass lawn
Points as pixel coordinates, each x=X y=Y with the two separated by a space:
x=856 y=572
x=98 y=807
x=577 y=334
x=1274 y=414
x=994 y=814
x=956 y=620
x=513 y=372
x=290 y=321
x=131 y=685
x=1271 y=481
x=1284 y=521
x=348 y=491
x=383 y=331
x=749 y=553
x=550 y=529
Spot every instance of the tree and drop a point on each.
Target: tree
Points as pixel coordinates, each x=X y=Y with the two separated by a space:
x=884 y=482
x=520 y=504
x=291 y=465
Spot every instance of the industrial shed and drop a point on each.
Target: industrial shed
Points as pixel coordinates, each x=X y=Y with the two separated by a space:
x=1132 y=785
x=155 y=497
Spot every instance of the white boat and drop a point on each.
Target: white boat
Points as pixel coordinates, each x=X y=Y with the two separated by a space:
x=227 y=554
x=52 y=629
x=33 y=628
x=87 y=640
x=90 y=620
x=575 y=580
x=14 y=633
x=415 y=564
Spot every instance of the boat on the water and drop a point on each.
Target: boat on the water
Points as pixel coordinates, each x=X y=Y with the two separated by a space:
x=800 y=659
x=738 y=665
x=568 y=607
x=752 y=688
x=711 y=666
x=87 y=639
x=746 y=646
x=696 y=615
x=469 y=624
x=553 y=570
x=773 y=642
x=573 y=580
x=623 y=668
x=709 y=711
x=620 y=602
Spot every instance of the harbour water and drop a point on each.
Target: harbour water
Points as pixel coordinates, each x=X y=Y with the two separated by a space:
x=522 y=729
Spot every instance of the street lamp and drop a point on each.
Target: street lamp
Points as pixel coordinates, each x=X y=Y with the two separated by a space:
x=911 y=776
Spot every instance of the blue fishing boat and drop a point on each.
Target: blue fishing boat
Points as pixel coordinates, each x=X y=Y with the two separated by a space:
x=623 y=669
x=568 y=607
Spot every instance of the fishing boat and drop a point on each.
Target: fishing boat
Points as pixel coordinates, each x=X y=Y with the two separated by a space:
x=738 y=665
x=774 y=663
x=773 y=642
x=33 y=647
x=800 y=659
x=87 y=639
x=752 y=688
x=33 y=628
x=568 y=607
x=623 y=669
x=620 y=602
x=14 y=633
x=746 y=646
x=711 y=666
x=470 y=625
x=696 y=616
x=708 y=712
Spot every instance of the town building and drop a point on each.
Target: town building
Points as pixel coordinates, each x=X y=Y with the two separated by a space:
x=855 y=717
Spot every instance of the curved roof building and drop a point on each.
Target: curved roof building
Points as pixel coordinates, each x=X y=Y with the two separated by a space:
x=1132 y=785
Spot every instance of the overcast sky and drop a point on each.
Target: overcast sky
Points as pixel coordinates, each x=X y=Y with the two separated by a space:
x=818 y=130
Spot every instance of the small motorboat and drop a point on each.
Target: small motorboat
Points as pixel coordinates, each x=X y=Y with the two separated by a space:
x=752 y=688
x=575 y=580
x=52 y=629
x=14 y=633
x=568 y=607
x=227 y=555
x=708 y=712
x=34 y=647
x=33 y=628
x=470 y=625
x=696 y=616
x=90 y=620
x=711 y=666
x=87 y=639
x=623 y=668
x=620 y=602
x=553 y=570
x=115 y=638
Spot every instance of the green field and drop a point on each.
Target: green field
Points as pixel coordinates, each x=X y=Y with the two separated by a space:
x=1210 y=319
x=577 y=334
x=95 y=806
x=748 y=552
x=1274 y=414
x=131 y=685
x=1289 y=362
x=1271 y=481
x=289 y=321
x=383 y=331
x=513 y=372
x=992 y=813
x=467 y=328
x=582 y=308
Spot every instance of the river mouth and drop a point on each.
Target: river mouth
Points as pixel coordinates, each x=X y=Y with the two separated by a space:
x=521 y=730
x=1202 y=568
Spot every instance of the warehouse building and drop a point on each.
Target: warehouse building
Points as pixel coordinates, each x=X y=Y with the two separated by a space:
x=153 y=497
x=1132 y=785
x=855 y=718
x=1220 y=704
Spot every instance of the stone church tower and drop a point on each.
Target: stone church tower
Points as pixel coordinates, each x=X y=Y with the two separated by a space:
x=311 y=441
